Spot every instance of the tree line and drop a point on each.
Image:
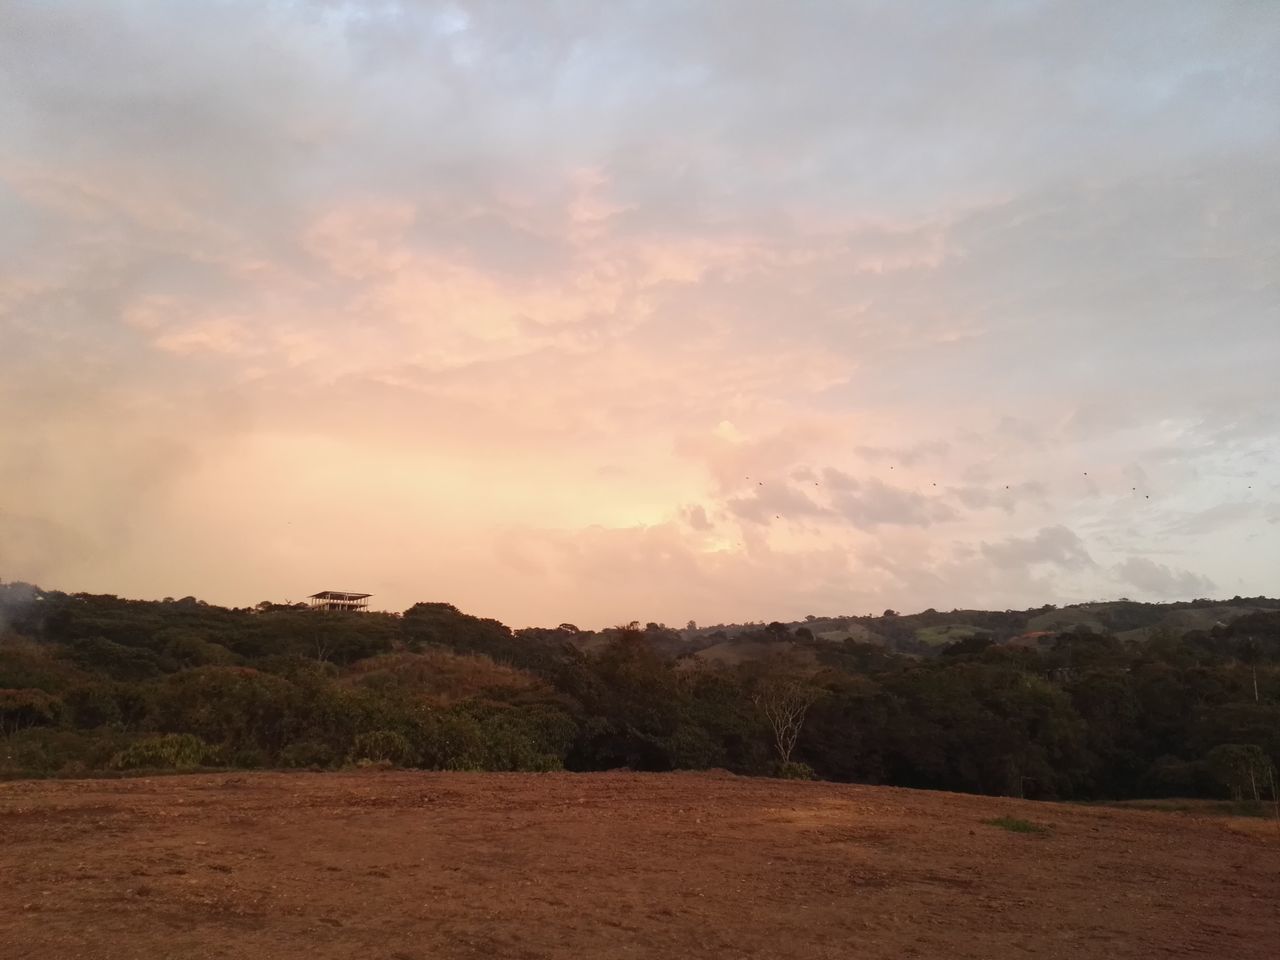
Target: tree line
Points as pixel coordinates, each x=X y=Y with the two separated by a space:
x=92 y=683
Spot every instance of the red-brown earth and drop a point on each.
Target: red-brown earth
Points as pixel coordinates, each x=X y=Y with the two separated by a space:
x=414 y=866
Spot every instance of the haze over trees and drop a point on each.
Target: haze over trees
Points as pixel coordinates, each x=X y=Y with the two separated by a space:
x=1108 y=700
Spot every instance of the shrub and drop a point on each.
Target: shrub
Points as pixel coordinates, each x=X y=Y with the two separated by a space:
x=692 y=748
x=1168 y=776
x=236 y=706
x=46 y=750
x=118 y=661
x=795 y=771
x=308 y=753
x=492 y=736
x=91 y=705
x=508 y=747
x=187 y=649
x=450 y=741
x=25 y=664
x=1243 y=769
x=27 y=708
x=170 y=751
x=248 y=758
x=382 y=746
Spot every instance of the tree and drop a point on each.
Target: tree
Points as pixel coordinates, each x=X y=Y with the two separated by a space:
x=1241 y=768
x=1250 y=652
x=785 y=701
x=235 y=707
x=633 y=701
x=20 y=709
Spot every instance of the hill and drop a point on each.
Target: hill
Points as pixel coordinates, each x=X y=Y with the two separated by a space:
x=928 y=632
x=1114 y=701
x=449 y=866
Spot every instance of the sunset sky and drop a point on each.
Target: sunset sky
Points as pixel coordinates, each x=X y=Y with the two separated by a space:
x=601 y=311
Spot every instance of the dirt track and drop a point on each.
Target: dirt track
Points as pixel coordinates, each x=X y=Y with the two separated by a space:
x=404 y=865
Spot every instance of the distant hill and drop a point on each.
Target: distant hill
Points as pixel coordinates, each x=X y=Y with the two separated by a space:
x=927 y=633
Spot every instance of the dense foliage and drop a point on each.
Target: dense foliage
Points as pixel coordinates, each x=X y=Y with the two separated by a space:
x=1082 y=707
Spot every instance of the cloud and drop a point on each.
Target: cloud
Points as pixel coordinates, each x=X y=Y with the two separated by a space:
x=1158 y=580
x=39 y=546
x=869 y=504
x=1007 y=498
x=430 y=274
x=1213 y=519
x=776 y=501
x=627 y=572
x=909 y=456
x=696 y=517
x=1053 y=546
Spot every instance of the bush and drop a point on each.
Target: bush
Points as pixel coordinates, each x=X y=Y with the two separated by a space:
x=382 y=746
x=248 y=758
x=236 y=706
x=486 y=736
x=308 y=753
x=795 y=771
x=509 y=747
x=1169 y=776
x=450 y=741
x=25 y=664
x=188 y=649
x=27 y=708
x=170 y=751
x=40 y=751
x=91 y=705
x=692 y=748
x=1242 y=769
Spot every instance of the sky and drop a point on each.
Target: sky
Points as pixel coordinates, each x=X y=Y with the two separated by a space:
x=659 y=310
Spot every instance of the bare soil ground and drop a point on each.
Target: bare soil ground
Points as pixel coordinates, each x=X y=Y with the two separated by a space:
x=410 y=866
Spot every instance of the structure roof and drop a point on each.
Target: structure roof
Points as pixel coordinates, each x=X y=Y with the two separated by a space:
x=338 y=595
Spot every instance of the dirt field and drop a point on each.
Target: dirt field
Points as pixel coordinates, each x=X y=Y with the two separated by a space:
x=405 y=865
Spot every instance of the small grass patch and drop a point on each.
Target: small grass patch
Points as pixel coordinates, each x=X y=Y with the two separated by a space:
x=1014 y=825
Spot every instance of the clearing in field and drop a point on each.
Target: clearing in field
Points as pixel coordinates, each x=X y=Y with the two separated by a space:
x=428 y=865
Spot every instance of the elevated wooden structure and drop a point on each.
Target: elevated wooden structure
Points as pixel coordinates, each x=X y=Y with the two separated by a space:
x=339 y=600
